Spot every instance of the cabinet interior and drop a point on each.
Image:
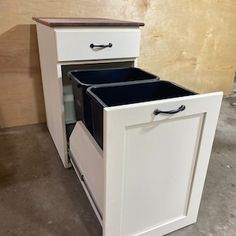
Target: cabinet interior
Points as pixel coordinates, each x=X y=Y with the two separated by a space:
x=68 y=98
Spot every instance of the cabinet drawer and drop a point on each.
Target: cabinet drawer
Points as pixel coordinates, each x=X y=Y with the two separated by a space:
x=74 y=44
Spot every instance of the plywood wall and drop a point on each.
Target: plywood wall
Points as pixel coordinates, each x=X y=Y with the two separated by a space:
x=191 y=42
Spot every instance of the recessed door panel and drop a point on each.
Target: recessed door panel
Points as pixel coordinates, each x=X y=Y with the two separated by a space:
x=158 y=175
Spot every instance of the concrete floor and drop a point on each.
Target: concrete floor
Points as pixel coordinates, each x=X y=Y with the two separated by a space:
x=39 y=197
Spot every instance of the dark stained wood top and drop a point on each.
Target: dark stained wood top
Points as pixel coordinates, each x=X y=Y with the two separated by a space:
x=60 y=21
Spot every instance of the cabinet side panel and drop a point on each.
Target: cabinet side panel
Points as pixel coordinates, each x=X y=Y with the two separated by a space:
x=52 y=88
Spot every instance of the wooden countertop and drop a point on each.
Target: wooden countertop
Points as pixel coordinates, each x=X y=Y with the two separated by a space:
x=60 y=21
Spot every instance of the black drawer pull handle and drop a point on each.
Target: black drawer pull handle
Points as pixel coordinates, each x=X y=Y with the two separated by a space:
x=157 y=111
x=82 y=178
x=109 y=45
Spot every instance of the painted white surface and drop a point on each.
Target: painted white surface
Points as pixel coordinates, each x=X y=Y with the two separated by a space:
x=52 y=89
x=88 y=157
x=150 y=177
x=155 y=166
x=88 y=194
x=163 y=171
x=74 y=43
x=54 y=53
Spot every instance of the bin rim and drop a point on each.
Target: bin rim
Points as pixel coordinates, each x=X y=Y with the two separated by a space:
x=71 y=76
x=92 y=95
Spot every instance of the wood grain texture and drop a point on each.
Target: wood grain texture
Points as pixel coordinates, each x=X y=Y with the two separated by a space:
x=62 y=21
x=21 y=97
x=189 y=42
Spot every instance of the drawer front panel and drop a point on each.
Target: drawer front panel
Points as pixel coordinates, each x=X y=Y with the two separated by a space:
x=75 y=44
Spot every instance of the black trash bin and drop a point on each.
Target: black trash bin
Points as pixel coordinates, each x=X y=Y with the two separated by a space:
x=122 y=94
x=82 y=79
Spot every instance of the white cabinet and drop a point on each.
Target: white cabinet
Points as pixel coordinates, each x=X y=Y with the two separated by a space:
x=149 y=177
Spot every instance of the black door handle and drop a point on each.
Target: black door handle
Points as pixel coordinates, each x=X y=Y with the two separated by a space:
x=157 y=111
x=109 y=45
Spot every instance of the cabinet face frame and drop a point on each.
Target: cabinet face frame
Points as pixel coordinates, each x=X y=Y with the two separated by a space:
x=117 y=120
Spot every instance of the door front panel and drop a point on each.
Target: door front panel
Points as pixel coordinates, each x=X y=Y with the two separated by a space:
x=155 y=165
